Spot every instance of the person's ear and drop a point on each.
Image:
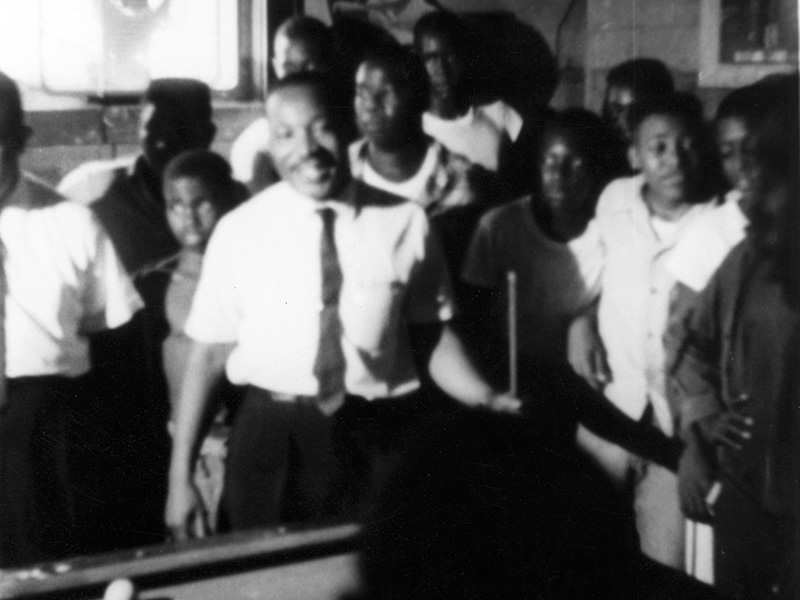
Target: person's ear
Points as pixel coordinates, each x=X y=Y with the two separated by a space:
x=633 y=158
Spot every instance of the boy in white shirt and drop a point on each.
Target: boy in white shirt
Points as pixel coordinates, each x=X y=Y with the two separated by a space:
x=622 y=256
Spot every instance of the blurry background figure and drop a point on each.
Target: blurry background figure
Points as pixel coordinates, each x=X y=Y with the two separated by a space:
x=737 y=382
x=710 y=238
x=640 y=79
x=125 y=193
x=61 y=281
x=300 y=44
x=485 y=134
x=395 y=16
x=397 y=156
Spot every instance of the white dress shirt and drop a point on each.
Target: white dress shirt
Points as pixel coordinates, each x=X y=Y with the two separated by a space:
x=64 y=279
x=706 y=243
x=623 y=259
x=261 y=289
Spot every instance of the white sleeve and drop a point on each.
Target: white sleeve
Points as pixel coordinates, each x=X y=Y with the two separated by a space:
x=214 y=316
x=513 y=123
x=479 y=267
x=253 y=140
x=688 y=262
x=110 y=299
x=429 y=296
x=589 y=249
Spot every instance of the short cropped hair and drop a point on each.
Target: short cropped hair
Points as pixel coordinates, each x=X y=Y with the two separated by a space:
x=683 y=106
x=443 y=24
x=12 y=117
x=210 y=168
x=776 y=139
x=325 y=90
x=310 y=31
x=583 y=126
x=647 y=77
x=749 y=103
x=189 y=98
x=590 y=134
x=405 y=71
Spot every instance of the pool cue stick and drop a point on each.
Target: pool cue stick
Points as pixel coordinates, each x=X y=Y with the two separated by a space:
x=512 y=332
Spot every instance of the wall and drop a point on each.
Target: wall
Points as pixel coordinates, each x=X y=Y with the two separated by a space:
x=63 y=139
x=668 y=30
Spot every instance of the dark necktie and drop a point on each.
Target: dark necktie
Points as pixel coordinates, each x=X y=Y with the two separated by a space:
x=329 y=365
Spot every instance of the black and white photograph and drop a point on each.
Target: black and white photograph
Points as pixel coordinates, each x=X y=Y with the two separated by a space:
x=399 y=299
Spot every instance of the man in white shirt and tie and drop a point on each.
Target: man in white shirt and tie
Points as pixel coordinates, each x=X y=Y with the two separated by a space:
x=319 y=414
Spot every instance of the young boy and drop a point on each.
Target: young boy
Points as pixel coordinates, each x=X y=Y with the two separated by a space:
x=482 y=133
x=637 y=80
x=710 y=238
x=198 y=189
x=622 y=256
x=738 y=385
x=529 y=236
x=395 y=154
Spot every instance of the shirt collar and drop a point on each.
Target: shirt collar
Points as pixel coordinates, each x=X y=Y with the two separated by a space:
x=348 y=199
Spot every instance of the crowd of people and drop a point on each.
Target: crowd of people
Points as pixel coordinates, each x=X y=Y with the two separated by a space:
x=323 y=328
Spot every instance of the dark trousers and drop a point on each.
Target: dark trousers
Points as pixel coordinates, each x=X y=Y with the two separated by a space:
x=289 y=462
x=753 y=548
x=37 y=506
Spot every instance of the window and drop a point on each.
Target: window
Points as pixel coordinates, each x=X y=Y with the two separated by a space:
x=111 y=47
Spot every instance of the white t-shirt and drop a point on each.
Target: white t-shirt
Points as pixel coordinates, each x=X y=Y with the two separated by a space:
x=260 y=289
x=254 y=140
x=479 y=134
x=412 y=188
x=706 y=243
x=64 y=279
x=550 y=290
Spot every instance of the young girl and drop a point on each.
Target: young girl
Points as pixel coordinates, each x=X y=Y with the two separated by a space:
x=198 y=190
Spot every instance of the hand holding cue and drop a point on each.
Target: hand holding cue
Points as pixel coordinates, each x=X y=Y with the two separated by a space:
x=512 y=332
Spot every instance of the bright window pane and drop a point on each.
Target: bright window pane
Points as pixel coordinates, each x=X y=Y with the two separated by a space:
x=117 y=46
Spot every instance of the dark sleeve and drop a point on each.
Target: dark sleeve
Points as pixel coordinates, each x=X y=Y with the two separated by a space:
x=682 y=302
x=695 y=378
x=599 y=415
